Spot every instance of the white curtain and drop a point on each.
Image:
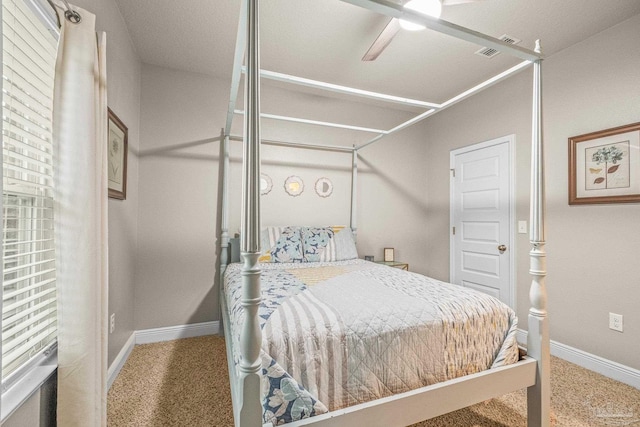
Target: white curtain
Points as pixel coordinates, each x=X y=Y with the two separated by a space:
x=80 y=173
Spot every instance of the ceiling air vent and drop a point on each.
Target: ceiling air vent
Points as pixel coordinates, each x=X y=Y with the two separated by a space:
x=489 y=52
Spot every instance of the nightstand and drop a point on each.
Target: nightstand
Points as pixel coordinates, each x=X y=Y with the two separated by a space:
x=395 y=264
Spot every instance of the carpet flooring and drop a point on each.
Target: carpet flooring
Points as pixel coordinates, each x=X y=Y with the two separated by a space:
x=185 y=383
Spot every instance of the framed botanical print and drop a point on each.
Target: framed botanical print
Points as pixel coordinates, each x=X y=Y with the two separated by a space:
x=117 y=143
x=604 y=166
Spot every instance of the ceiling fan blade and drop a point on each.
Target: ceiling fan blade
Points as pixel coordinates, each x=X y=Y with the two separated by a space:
x=383 y=40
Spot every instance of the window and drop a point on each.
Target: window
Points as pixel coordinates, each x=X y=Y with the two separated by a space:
x=29 y=280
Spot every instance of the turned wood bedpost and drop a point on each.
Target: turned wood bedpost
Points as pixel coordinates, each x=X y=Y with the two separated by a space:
x=354 y=193
x=538 y=395
x=224 y=221
x=250 y=408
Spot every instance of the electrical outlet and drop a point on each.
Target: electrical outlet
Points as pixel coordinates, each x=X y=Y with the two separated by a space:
x=112 y=323
x=615 y=322
x=522 y=227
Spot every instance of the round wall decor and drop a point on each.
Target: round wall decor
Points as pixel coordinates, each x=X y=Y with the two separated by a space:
x=294 y=186
x=265 y=184
x=324 y=187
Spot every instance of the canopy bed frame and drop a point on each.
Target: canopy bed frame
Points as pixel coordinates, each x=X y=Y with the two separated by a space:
x=531 y=372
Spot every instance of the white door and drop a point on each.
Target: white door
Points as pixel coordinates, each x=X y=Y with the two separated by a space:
x=482 y=220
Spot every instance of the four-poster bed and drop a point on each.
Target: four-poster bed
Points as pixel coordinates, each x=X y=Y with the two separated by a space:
x=531 y=371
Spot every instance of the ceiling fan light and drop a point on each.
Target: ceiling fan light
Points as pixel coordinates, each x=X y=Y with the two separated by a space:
x=428 y=7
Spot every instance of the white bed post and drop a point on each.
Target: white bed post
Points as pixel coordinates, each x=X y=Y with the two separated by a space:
x=538 y=395
x=224 y=221
x=250 y=407
x=354 y=193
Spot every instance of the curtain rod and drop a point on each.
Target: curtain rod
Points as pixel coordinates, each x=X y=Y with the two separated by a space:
x=70 y=14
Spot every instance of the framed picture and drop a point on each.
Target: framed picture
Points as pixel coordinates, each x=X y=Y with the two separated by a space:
x=388 y=255
x=368 y=258
x=604 y=166
x=118 y=145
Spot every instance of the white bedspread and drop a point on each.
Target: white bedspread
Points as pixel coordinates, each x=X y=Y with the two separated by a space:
x=336 y=334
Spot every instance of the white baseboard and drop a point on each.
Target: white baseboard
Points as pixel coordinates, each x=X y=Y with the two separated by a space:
x=118 y=362
x=148 y=336
x=608 y=368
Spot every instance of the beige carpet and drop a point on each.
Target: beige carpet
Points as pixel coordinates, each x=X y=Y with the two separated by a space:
x=185 y=383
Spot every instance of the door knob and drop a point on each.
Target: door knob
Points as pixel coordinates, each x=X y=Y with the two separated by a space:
x=502 y=248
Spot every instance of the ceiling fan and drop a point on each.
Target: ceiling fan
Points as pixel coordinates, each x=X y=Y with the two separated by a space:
x=428 y=7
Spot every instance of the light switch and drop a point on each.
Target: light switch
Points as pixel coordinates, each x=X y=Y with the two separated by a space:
x=522 y=227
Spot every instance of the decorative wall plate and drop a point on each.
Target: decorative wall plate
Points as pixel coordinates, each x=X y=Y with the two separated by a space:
x=294 y=186
x=265 y=184
x=324 y=187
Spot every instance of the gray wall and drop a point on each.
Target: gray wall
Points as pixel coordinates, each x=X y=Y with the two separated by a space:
x=592 y=250
x=179 y=186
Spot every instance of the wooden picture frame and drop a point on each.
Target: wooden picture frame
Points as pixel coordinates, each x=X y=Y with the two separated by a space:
x=117 y=150
x=604 y=166
x=389 y=255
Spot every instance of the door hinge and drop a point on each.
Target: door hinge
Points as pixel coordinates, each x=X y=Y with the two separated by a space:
x=453 y=173
x=453 y=230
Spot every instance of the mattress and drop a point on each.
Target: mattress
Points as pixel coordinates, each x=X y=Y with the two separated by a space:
x=340 y=333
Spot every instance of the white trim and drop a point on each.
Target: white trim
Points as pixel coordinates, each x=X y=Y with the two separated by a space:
x=511 y=143
x=148 y=336
x=29 y=383
x=120 y=360
x=44 y=11
x=606 y=367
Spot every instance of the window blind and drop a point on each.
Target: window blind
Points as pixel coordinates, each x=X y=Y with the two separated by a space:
x=28 y=247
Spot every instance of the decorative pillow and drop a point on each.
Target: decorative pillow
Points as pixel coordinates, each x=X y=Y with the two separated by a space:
x=318 y=244
x=328 y=244
x=283 y=244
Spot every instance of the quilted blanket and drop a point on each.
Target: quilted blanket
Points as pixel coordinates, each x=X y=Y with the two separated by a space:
x=340 y=333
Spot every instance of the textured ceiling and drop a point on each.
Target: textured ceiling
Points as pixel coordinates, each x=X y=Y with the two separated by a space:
x=325 y=39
